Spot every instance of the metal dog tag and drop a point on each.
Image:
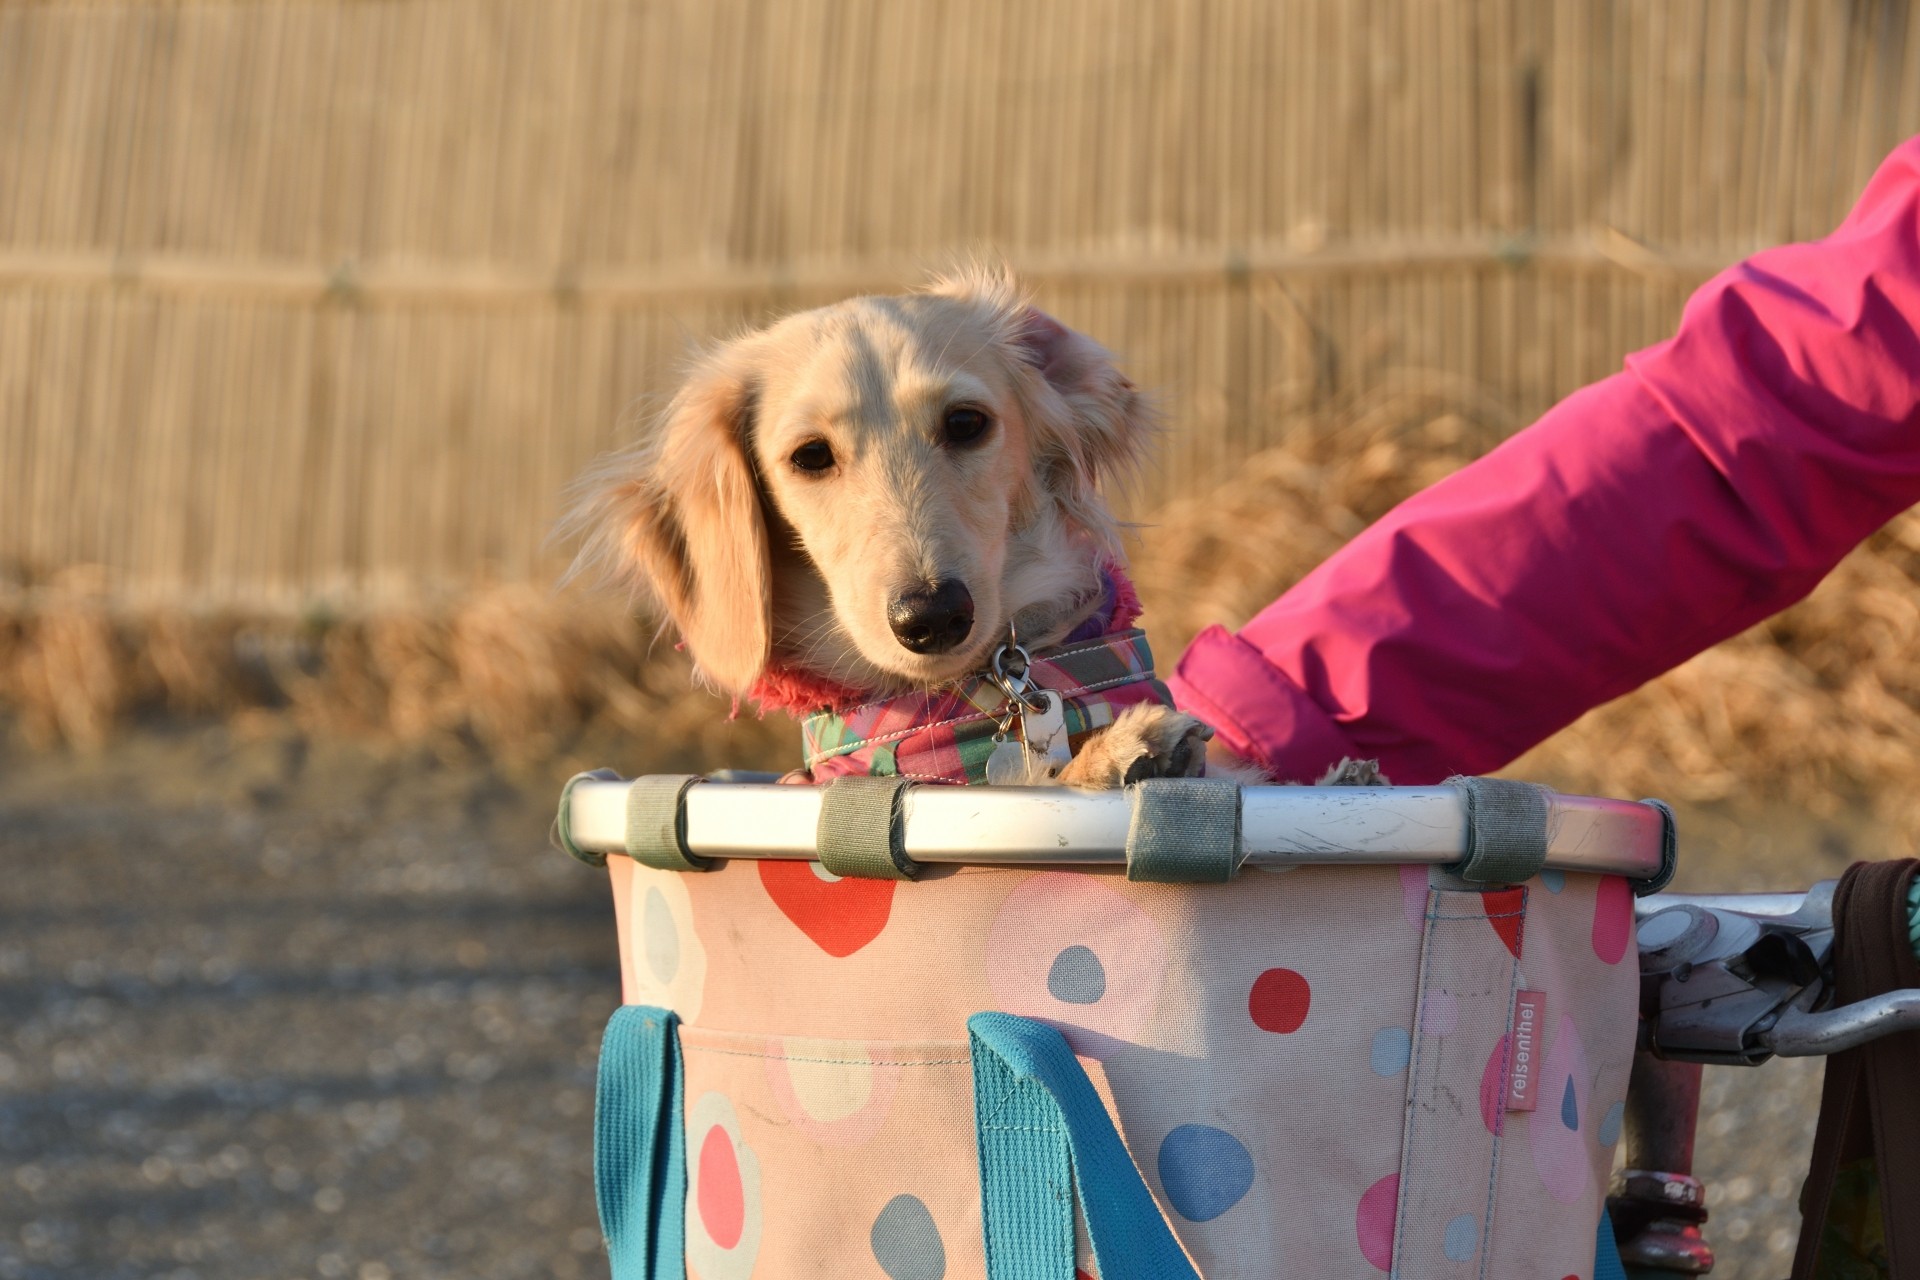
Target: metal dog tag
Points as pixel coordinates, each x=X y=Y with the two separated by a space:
x=1046 y=730
x=1007 y=765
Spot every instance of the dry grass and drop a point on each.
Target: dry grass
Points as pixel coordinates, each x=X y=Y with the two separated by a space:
x=1221 y=556
x=511 y=671
x=1818 y=709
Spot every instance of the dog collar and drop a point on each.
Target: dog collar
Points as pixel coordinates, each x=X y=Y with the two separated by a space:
x=802 y=693
x=946 y=734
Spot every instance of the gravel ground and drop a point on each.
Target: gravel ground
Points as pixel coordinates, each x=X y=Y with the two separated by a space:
x=290 y=1011
x=284 y=1009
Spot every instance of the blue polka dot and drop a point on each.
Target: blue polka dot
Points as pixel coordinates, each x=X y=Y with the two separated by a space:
x=1077 y=977
x=1391 y=1048
x=905 y=1242
x=1554 y=881
x=1462 y=1238
x=1610 y=1124
x=1569 y=1109
x=1204 y=1170
x=662 y=938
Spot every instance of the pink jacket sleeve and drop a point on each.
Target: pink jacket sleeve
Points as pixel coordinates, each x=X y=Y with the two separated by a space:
x=1643 y=519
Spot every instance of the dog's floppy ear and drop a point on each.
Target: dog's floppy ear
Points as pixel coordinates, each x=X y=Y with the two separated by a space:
x=1089 y=423
x=1111 y=422
x=680 y=517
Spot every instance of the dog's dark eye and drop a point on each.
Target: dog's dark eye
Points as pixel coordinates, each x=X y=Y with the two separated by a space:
x=814 y=455
x=966 y=425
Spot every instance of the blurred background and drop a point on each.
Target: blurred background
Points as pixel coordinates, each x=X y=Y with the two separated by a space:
x=310 y=309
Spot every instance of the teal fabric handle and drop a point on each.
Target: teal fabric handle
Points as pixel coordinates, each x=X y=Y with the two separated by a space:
x=1606 y=1253
x=1045 y=1139
x=1044 y=1136
x=640 y=1145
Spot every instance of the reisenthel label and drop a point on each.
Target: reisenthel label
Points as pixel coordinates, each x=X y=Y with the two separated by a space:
x=1523 y=1072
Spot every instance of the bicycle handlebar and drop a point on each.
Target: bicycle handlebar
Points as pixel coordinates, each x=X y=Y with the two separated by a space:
x=1811 y=1035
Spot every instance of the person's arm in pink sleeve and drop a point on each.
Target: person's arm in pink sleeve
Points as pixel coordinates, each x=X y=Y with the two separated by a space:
x=1643 y=519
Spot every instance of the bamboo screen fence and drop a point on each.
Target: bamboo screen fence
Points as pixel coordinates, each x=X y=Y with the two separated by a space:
x=327 y=300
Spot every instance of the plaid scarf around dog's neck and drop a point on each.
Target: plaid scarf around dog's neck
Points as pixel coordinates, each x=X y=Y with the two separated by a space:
x=946 y=734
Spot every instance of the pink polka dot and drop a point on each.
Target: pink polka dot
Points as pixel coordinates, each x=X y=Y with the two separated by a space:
x=722 y=1200
x=1413 y=895
x=841 y=1103
x=1374 y=1221
x=1279 y=1001
x=1612 y=919
x=1439 y=1013
x=1493 y=1088
x=1562 y=1152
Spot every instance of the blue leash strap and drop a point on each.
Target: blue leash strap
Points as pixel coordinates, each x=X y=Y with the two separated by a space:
x=640 y=1145
x=1044 y=1135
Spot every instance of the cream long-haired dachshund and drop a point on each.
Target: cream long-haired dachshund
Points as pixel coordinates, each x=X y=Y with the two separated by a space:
x=875 y=495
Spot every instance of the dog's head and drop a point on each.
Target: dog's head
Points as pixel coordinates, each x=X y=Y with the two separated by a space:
x=874 y=490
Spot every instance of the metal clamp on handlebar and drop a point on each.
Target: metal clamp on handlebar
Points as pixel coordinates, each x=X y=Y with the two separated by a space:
x=1736 y=987
x=1717 y=983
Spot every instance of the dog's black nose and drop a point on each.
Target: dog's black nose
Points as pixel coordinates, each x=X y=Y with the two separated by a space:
x=932 y=619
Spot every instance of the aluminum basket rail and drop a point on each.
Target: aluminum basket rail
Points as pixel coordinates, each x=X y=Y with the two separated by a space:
x=1056 y=826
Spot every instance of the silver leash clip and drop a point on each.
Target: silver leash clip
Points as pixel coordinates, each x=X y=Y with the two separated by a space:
x=1042 y=747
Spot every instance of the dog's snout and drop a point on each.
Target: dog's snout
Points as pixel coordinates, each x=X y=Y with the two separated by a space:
x=932 y=619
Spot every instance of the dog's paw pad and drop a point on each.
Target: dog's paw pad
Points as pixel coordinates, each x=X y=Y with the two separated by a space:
x=1146 y=741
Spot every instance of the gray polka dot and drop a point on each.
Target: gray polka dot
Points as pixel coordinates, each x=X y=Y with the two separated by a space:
x=1462 y=1238
x=660 y=937
x=906 y=1244
x=1077 y=977
x=1392 y=1046
x=1610 y=1124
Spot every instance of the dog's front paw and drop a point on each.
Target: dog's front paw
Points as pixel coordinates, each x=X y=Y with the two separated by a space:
x=1146 y=741
x=1354 y=773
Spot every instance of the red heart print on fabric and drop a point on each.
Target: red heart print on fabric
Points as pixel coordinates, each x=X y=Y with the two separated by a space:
x=1506 y=912
x=840 y=915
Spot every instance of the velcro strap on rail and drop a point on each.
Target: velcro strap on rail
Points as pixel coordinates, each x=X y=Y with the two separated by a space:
x=657 y=822
x=1184 y=831
x=562 y=833
x=860 y=831
x=1669 y=852
x=1508 y=829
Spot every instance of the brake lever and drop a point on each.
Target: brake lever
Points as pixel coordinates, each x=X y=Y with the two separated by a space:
x=1717 y=982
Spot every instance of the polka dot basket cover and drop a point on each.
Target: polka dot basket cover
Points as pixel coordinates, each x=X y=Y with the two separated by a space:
x=1312 y=1069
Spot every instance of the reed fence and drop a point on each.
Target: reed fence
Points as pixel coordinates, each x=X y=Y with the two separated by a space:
x=321 y=302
